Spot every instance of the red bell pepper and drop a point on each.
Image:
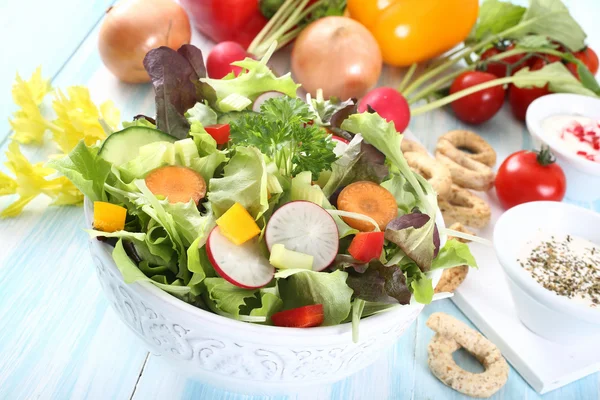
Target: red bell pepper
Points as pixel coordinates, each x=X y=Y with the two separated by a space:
x=219 y=132
x=301 y=317
x=223 y=20
x=366 y=246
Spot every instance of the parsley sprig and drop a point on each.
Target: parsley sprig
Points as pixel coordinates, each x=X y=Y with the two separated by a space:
x=283 y=132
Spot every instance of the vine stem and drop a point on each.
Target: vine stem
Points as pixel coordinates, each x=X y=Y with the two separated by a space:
x=428 y=90
x=473 y=89
x=471 y=49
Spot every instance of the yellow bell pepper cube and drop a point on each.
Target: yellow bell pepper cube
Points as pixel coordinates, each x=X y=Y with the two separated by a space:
x=238 y=225
x=109 y=217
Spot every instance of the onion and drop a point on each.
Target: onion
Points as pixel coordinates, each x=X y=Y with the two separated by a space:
x=338 y=55
x=134 y=27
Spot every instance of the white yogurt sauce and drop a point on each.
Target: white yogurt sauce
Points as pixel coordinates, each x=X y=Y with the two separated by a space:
x=565 y=264
x=576 y=134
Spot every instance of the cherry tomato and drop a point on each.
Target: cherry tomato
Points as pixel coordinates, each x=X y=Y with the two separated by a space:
x=520 y=98
x=500 y=68
x=530 y=176
x=480 y=106
x=219 y=132
x=301 y=317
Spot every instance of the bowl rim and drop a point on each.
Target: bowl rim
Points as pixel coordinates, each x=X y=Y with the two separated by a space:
x=550 y=105
x=503 y=228
x=144 y=288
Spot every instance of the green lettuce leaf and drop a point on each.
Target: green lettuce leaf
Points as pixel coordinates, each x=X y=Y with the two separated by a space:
x=255 y=80
x=401 y=189
x=202 y=114
x=552 y=18
x=496 y=16
x=227 y=298
x=325 y=109
x=137 y=236
x=359 y=162
x=382 y=134
x=416 y=235
x=140 y=120
x=300 y=288
x=558 y=78
x=244 y=181
x=422 y=289
x=85 y=169
x=453 y=254
x=131 y=273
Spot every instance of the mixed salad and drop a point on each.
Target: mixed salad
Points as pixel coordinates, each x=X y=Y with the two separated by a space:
x=246 y=201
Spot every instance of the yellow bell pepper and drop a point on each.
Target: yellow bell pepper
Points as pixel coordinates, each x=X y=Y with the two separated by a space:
x=238 y=225
x=411 y=31
x=109 y=217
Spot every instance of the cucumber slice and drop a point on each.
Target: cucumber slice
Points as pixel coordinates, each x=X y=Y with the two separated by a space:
x=123 y=146
x=287 y=259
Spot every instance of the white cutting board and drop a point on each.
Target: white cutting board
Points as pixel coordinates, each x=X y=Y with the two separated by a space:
x=484 y=297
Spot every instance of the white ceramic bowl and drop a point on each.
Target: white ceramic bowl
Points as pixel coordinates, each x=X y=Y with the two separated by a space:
x=544 y=312
x=241 y=356
x=583 y=176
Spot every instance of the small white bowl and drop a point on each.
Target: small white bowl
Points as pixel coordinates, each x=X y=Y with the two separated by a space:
x=583 y=176
x=239 y=356
x=544 y=312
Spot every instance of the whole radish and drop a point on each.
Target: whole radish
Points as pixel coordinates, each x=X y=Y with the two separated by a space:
x=389 y=104
x=218 y=63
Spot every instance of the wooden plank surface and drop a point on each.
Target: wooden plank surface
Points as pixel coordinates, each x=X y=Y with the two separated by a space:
x=58 y=337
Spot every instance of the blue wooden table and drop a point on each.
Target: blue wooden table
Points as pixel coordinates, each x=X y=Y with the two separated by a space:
x=58 y=337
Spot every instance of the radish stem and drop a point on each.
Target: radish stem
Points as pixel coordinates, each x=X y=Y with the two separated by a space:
x=407 y=77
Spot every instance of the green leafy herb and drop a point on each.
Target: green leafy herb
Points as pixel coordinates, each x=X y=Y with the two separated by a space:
x=496 y=16
x=282 y=132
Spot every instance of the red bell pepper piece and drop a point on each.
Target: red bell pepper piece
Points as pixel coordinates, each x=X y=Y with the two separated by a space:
x=366 y=246
x=224 y=20
x=301 y=317
x=219 y=132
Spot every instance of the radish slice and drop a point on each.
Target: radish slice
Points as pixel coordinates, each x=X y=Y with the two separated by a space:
x=264 y=97
x=244 y=266
x=307 y=228
x=341 y=145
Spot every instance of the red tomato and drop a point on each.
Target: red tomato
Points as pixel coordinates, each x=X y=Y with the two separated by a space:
x=520 y=98
x=218 y=62
x=366 y=246
x=499 y=68
x=219 y=132
x=529 y=176
x=301 y=317
x=480 y=106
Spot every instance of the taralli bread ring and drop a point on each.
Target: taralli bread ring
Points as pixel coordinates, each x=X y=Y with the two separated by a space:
x=465 y=207
x=410 y=146
x=451 y=335
x=477 y=148
x=465 y=171
x=436 y=173
x=452 y=278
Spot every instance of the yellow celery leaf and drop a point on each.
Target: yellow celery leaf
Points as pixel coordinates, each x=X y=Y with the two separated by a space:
x=38 y=87
x=77 y=118
x=110 y=114
x=7 y=185
x=28 y=123
x=31 y=181
x=65 y=193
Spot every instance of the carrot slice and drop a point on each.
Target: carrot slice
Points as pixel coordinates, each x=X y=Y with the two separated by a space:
x=178 y=184
x=369 y=199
